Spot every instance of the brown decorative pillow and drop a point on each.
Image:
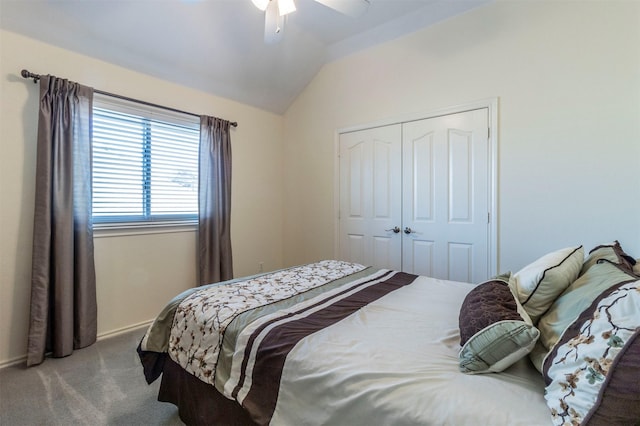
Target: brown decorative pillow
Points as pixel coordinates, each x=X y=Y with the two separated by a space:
x=495 y=331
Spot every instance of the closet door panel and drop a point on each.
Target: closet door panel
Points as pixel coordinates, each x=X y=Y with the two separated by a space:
x=460 y=176
x=460 y=262
x=422 y=253
x=355 y=248
x=453 y=172
x=418 y=166
x=370 y=197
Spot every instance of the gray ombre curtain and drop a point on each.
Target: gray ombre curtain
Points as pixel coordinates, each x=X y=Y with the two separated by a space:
x=215 y=262
x=63 y=282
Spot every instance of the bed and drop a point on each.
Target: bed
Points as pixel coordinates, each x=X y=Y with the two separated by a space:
x=339 y=343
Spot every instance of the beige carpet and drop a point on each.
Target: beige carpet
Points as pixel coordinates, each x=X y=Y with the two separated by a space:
x=99 y=385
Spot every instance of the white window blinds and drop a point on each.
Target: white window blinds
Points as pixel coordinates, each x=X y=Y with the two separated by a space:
x=145 y=163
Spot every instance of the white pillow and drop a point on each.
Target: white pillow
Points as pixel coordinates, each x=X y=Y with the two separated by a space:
x=538 y=284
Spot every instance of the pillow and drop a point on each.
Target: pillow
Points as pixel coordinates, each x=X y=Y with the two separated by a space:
x=593 y=373
x=572 y=302
x=495 y=331
x=611 y=252
x=537 y=285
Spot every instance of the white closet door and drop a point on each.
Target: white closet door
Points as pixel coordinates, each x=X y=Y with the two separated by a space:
x=370 y=197
x=446 y=196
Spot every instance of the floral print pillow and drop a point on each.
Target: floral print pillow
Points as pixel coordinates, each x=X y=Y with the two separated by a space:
x=593 y=372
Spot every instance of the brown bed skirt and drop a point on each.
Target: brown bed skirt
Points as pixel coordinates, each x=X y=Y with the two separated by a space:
x=198 y=402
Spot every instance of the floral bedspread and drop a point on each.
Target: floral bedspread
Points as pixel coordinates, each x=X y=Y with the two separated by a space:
x=201 y=318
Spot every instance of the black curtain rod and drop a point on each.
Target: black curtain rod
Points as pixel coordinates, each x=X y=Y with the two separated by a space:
x=36 y=77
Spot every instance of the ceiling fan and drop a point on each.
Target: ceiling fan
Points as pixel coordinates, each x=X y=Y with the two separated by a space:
x=277 y=10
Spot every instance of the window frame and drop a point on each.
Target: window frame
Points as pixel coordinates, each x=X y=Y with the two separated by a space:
x=145 y=223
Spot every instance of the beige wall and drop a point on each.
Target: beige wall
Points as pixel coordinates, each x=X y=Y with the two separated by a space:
x=567 y=75
x=138 y=274
x=568 y=78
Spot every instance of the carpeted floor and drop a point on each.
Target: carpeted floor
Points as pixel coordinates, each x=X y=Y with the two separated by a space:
x=99 y=385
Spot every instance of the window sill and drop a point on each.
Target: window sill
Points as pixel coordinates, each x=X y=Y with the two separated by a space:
x=103 y=230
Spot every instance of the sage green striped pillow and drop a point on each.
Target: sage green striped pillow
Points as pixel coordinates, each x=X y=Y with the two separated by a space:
x=495 y=330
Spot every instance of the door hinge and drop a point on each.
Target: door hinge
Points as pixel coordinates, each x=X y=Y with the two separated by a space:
x=488 y=217
x=488 y=132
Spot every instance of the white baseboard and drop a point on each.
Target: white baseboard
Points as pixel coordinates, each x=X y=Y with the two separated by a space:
x=112 y=333
x=13 y=361
x=123 y=330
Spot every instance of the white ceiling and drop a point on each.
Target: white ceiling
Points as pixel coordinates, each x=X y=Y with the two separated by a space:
x=217 y=46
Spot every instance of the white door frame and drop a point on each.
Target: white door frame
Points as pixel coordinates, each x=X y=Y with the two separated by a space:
x=492 y=105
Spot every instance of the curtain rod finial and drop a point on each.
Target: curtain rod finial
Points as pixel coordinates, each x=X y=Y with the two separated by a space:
x=27 y=74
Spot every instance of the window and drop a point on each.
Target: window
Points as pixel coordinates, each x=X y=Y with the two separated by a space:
x=145 y=164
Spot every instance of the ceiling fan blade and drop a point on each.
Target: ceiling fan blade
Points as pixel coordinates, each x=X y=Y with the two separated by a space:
x=353 y=8
x=273 y=24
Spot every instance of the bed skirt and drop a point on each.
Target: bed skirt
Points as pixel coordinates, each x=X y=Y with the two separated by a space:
x=198 y=403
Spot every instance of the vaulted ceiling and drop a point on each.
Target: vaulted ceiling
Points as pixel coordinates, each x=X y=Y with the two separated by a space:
x=217 y=46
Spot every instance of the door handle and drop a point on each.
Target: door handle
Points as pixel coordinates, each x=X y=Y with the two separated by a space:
x=408 y=230
x=395 y=229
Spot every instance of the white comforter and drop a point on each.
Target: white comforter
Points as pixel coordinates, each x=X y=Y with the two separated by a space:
x=373 y=369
